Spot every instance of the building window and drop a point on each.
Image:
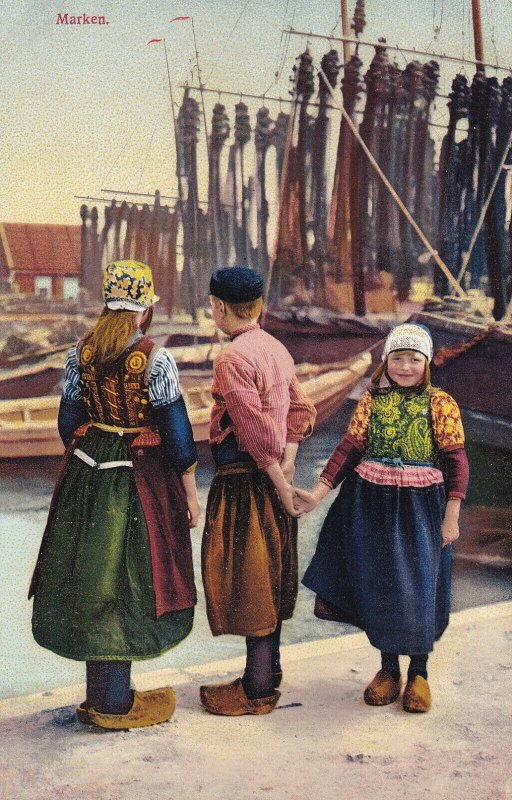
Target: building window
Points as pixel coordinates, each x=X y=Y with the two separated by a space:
x=70 y=288
x=43 y=286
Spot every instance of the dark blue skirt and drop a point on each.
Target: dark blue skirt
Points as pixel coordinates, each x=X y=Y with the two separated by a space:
x=380 y=563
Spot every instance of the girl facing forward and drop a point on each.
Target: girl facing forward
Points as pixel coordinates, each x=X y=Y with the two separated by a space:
x=114 y=579
x=383 y=559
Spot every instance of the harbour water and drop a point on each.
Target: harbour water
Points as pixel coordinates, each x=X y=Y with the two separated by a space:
x=25 y=491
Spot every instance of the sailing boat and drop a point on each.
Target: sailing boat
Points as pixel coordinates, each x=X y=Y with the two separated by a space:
x=474 y=350
x=315 y=329
x=473 y=335
x=473 y=357
x=28 y=427
x=300 y=325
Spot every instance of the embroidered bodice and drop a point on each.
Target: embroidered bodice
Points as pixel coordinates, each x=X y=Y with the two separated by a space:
x=118 y=394
x=400 y=427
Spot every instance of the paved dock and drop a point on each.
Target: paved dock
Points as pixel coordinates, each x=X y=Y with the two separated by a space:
x=321 y=743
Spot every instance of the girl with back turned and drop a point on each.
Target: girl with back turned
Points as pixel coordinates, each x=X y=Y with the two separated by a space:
x=114 y=578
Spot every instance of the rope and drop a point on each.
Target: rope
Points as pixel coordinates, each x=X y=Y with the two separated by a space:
x=435 y=255
x=491 y=23
x=284 y=177
x=284 y=55
x=146 y=157
x=227 y=39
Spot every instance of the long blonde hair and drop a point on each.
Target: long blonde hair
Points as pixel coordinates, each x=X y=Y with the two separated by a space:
x=112 y=333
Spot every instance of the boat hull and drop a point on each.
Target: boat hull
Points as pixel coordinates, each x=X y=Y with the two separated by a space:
x=28 y=427
x=317 y=336
x=31 y=384
x=479 y=377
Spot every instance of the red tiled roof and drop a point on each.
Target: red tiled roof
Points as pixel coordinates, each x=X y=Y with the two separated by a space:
x=44 y=249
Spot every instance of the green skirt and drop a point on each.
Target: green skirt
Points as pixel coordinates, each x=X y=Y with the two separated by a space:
x=94 y=596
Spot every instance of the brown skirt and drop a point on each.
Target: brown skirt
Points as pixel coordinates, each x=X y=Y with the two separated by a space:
x=249 y=554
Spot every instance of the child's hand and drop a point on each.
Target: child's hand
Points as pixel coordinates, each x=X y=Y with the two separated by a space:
x=450 y=525
x=193 y=511
x=188 y=480
x=449 y=530
x=304 y=501
x=288 y=468
x=286 y=496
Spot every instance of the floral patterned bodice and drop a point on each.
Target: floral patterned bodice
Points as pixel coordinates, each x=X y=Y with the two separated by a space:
x=400 y=427
x=383 y=424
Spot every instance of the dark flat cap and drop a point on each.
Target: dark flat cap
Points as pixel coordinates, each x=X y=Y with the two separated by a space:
x=236 y=284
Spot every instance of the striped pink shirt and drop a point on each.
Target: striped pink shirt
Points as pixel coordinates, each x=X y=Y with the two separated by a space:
x=254 y=381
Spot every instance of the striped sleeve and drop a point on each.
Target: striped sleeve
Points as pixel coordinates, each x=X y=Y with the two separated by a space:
x=72 y=388
x=456 y=473
x=343 y=459
x=163 y=381
x=255 y=429
x=301 y=415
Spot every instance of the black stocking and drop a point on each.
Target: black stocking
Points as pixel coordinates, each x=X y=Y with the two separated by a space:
x=391 y=664
x=418 y=666
x=108 y=686
x=96 y=684
x=257 y=679
x=276 y=641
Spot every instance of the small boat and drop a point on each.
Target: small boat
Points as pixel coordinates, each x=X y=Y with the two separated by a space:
x=32 y=380
x=28 y=427
x=176 y=334
x=472 y=361
x=45 y=375
x=317 y=335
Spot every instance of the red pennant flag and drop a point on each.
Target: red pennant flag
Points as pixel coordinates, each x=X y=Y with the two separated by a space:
x=154 y=40
x=177 y=19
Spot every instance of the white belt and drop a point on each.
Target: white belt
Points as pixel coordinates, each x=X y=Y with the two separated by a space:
x=104 y=465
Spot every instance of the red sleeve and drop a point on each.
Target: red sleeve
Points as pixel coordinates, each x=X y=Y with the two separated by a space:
x=255 y=430
x=301 y=414
x=344 y=458
x=456 y=472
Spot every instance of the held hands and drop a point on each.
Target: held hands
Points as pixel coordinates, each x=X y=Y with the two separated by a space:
x=295 y=502
x=283 y=487
x=288 y=469
x=286 y=494
x=305 y=501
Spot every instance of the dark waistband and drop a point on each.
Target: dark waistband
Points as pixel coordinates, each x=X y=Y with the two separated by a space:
x=236 y=469
x=228 y=452
x=400 y=462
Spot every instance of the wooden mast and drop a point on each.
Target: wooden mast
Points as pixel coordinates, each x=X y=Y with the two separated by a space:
x=477 y=34
x=345 y=30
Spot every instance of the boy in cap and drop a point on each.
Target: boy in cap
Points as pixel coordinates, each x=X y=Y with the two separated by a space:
x=249 y=552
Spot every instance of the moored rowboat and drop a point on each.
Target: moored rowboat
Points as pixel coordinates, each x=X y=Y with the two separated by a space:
x=28 y=427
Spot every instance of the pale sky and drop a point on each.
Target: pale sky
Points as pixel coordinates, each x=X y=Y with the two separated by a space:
x=87 y=107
